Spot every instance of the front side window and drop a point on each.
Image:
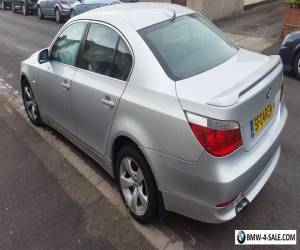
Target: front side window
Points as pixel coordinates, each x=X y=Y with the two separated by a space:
x=188 y=45
x=99 y=48
x=66 y=46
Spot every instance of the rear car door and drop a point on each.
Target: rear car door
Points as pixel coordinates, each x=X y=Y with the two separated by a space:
x=105 y=65
x=55 y=77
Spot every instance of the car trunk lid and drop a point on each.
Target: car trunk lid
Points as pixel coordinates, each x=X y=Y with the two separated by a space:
x=237 y=90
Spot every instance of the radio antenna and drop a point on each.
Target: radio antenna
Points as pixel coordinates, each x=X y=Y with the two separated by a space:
x=174 y=16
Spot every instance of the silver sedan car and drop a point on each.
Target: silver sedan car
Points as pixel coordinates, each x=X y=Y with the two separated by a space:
x=181 y=117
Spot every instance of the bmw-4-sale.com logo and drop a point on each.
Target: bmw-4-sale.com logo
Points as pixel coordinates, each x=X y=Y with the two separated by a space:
x=265 y=237
x=241 y=237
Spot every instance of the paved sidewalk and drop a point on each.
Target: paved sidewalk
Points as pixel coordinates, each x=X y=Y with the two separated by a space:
x=256 y=29
x=47 y=204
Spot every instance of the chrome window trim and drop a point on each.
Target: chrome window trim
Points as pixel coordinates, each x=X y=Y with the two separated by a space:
x=102 y=23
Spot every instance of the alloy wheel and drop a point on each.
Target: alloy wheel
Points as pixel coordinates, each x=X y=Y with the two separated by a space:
x=133 y=186
x=30 y=103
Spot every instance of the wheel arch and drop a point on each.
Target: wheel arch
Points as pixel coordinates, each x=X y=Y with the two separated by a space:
x=122 y=140
x=119 y=142
x=24 y=77
x=57 y=7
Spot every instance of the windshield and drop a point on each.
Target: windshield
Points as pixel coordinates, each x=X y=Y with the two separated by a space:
x=188 y=45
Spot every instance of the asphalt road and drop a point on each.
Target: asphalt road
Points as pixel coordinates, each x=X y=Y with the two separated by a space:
x=19 y=38
x=276 y=207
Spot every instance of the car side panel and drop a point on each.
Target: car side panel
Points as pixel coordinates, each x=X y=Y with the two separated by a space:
x=149 y=110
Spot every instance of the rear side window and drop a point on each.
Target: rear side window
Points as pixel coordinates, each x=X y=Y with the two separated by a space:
x=106 y=53
x=66 y=46
x=99 y=48
x=122 y=61
x=188 y=45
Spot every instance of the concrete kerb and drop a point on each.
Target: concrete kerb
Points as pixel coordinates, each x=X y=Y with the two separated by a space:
x=154 y=235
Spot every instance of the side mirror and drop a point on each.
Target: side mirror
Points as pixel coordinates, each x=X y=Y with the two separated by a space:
x=44 y=56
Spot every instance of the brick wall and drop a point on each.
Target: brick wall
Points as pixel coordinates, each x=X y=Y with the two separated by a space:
x=289 y=28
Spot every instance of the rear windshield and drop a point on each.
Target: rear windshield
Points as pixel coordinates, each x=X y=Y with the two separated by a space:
x=188 y=45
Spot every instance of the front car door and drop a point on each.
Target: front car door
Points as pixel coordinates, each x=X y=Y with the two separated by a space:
x=105 y=64
x=55 y=77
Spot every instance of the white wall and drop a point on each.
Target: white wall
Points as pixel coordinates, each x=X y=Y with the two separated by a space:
x=213 y=9
x=216 y=9
x=247 y=2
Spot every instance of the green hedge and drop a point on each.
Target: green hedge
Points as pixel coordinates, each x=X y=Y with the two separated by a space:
x=295 y=3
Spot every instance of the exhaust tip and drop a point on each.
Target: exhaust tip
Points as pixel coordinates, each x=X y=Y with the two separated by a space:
x=241 y=205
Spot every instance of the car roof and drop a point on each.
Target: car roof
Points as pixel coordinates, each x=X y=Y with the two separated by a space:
x=137 y=15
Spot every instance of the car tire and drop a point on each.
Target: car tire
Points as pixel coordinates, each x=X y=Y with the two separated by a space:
x=72 y=14
x=30 y=104
x=136 y=184
x=40 y=13
x=58 y=17
x=25 y=10
x=296 y=65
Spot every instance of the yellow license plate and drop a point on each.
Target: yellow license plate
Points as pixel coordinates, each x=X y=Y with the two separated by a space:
x=261 y=120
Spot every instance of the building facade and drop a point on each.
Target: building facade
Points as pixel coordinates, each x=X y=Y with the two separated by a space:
x=214 y=9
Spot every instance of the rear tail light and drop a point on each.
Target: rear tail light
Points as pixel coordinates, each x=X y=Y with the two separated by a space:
x=281 y=92
x=219 y=138
x=65 y=2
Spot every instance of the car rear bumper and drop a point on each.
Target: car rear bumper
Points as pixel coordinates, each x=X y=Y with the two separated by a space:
x=210 y=214
x=194 y=189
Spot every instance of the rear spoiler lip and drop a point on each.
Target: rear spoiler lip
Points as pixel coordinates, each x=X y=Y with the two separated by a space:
x=232 y=95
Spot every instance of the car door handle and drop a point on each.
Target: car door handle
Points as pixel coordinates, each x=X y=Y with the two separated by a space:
x=107 y=101
x=65 y=84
